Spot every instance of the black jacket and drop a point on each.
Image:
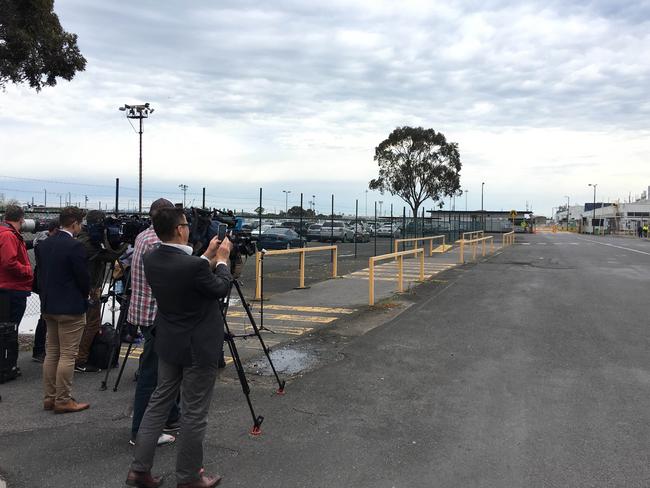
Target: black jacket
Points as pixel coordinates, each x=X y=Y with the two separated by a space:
x=63 y=277
x=188 y=323
x=98 y=257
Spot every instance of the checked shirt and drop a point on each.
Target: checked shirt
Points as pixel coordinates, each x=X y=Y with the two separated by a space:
x=142 y=310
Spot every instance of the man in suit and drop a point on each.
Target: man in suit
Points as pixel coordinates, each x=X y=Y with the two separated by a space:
x=189 y=339
x=64 y=284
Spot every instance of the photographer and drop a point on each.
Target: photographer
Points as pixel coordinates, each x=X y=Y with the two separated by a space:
x=16 y=273
x=189 y=334
x=100 y=253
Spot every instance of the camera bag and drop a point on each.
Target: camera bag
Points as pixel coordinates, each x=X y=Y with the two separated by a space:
x=8 y=351
x=100 y=350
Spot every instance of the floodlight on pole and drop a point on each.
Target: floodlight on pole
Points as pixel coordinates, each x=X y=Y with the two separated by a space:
x=593 y=229
x=184 y=190
x=286 y=200
x=139 y=112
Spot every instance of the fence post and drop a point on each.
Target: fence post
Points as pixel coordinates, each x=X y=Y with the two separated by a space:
x=483 y=246
x=203 y=202
x=375 y=228
x=492 y=245
x=259 y=233
x=117 y=196
x=462 y=251
x=422 y=264
x=400 y=273
x=332 y=222
x=474 y=249
x=371 y=282
x=300 y=226
x=356 y=225
x=258 y=277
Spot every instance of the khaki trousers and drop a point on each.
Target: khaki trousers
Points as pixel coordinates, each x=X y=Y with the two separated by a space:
x=63 y=336
x=93 y=323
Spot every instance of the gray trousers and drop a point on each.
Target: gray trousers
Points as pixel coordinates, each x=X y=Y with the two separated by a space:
x=196 y=384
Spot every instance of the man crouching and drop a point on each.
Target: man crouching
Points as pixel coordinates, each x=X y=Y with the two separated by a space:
x=189 y=340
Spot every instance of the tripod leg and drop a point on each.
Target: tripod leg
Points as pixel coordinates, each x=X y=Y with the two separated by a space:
x=267 y=352
x=126 y=358
x=257 y=420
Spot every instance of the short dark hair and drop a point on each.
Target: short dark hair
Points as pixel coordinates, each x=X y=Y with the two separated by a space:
x=13 y=213
x=95 y=216
x=53 y=225
x=158 y=204
x=70 y=215
x=165 y=221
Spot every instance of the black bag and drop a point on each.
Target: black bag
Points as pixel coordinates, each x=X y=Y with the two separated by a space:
x=100 y=349
x=8 y=351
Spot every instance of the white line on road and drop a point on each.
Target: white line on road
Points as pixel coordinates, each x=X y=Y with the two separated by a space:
x=617 y=247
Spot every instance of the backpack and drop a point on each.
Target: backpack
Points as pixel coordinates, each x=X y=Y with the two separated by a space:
x=100 y=349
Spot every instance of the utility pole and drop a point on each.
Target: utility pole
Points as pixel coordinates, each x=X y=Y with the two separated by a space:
x=466 y=192
x=139 y=112
x=313 y=201
x=381 y=202
x=366 y=204
x=184 y=190
x=593 y=220
x=45 y=203
x=482 y=217
x=85 y=201
x=286 y=201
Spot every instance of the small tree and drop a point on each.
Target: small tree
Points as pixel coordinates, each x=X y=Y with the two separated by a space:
x=417 y=164
x=34 y=48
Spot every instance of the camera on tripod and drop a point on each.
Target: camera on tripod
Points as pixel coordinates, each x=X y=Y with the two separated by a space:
x=117 y=230
x=204 y=226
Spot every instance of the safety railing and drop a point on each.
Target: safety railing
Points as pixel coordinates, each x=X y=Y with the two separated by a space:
x=475 y=234
x=473 y=243
x=508 y=239
x=299 y=250
x=440 y=248
x=400 y=269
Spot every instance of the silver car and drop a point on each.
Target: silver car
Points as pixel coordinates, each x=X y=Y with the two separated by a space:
x=336 y=231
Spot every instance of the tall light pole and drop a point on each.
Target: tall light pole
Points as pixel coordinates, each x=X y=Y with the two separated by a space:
x=381 y=202
x=286 y=201
x=45 y=203
x=313 y=201
x=593 y=228
x=568 y=211
x=183 y=189
x=466 y=192
x=139 y=112
x=482 y=216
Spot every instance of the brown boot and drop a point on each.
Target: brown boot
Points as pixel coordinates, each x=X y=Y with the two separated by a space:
x=143 y=479
x=48 y=404
x=203 y=482
x=70 y=406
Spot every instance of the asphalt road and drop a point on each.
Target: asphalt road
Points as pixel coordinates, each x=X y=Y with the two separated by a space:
x=527 y=369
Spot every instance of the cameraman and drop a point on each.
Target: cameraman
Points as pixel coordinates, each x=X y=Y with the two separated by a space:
x=100 y=253
x=142 y=312
x=16 y=273
x=189 y=338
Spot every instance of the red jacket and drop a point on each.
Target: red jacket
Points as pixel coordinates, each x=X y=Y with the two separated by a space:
x=15 y=270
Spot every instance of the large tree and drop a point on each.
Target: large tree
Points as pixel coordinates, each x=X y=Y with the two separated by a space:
x=417 y=164
x=34 y=48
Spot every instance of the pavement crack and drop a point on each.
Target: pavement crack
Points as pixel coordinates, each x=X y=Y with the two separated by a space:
x=307 y=412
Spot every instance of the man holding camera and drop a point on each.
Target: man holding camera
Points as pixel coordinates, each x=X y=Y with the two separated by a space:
x=142 y=312
x=64 y=284
x=189 y=334
x=100 y=253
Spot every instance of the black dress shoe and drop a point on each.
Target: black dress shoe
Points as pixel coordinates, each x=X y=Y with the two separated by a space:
x=143 y=479
x=203 y=482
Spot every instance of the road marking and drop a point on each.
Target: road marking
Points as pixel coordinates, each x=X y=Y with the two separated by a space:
x=289 y=318
x=614 y=245
x=310 y=309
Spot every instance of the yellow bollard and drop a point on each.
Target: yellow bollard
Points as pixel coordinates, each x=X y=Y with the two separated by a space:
x=483 y=246
x=474 y=249
x=491 y=245
x=371 y=283
x=302 y=270
x=400 y=273
x=422 y=265
x=258 y=276
x=462 y=251
x=335 y=257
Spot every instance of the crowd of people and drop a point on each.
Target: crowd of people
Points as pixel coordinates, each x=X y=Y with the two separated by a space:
x=174 y=301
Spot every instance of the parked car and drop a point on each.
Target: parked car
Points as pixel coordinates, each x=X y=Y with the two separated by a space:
x=388 y=230
x=279 y=238
x=336 y=231
x=313 y=232
x=361 y=233
x=255 y=233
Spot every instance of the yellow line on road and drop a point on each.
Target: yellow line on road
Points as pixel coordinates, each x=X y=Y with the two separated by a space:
x=310 y=309
x=289 y=318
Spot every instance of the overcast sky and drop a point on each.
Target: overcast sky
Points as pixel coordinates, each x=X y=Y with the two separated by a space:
x=542 y=97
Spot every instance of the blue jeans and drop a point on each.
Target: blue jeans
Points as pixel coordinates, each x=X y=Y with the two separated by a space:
x=147 y=381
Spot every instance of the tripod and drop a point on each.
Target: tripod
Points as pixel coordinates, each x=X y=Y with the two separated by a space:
x=229 y=337
x=116 y=344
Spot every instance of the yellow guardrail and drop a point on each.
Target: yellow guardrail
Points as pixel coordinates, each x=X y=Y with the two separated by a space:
x=474 y=244
x=441 y=248
x=300 y=250
x=400 y=269
x=475 y=234
x=508 y=239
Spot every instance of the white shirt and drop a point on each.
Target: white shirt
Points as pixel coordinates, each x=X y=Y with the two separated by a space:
x=66 y=231
x=189 y=250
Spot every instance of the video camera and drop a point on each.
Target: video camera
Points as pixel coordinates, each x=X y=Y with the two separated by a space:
x=118 y=230
x=204 y=226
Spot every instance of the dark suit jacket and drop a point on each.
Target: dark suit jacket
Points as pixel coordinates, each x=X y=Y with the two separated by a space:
x=63 y=278
x=188 y=323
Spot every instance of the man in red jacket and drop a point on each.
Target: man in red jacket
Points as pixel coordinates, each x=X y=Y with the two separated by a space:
x=15 y=270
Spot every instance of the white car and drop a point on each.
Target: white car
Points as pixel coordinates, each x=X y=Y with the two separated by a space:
x=388 y=230
x=336 y=231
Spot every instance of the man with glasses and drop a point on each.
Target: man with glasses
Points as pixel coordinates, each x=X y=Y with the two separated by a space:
x=189 y=334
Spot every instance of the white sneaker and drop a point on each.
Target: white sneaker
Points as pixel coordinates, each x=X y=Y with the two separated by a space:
x=162 y=440
x=166 y=439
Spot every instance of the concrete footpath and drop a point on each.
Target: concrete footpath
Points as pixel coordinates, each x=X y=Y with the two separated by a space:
x=493 y=374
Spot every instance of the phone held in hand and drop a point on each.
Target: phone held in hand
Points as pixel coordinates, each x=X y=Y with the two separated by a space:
x=221 y=234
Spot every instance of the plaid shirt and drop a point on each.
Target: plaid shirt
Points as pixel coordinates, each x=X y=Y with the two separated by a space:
x=143 y=306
